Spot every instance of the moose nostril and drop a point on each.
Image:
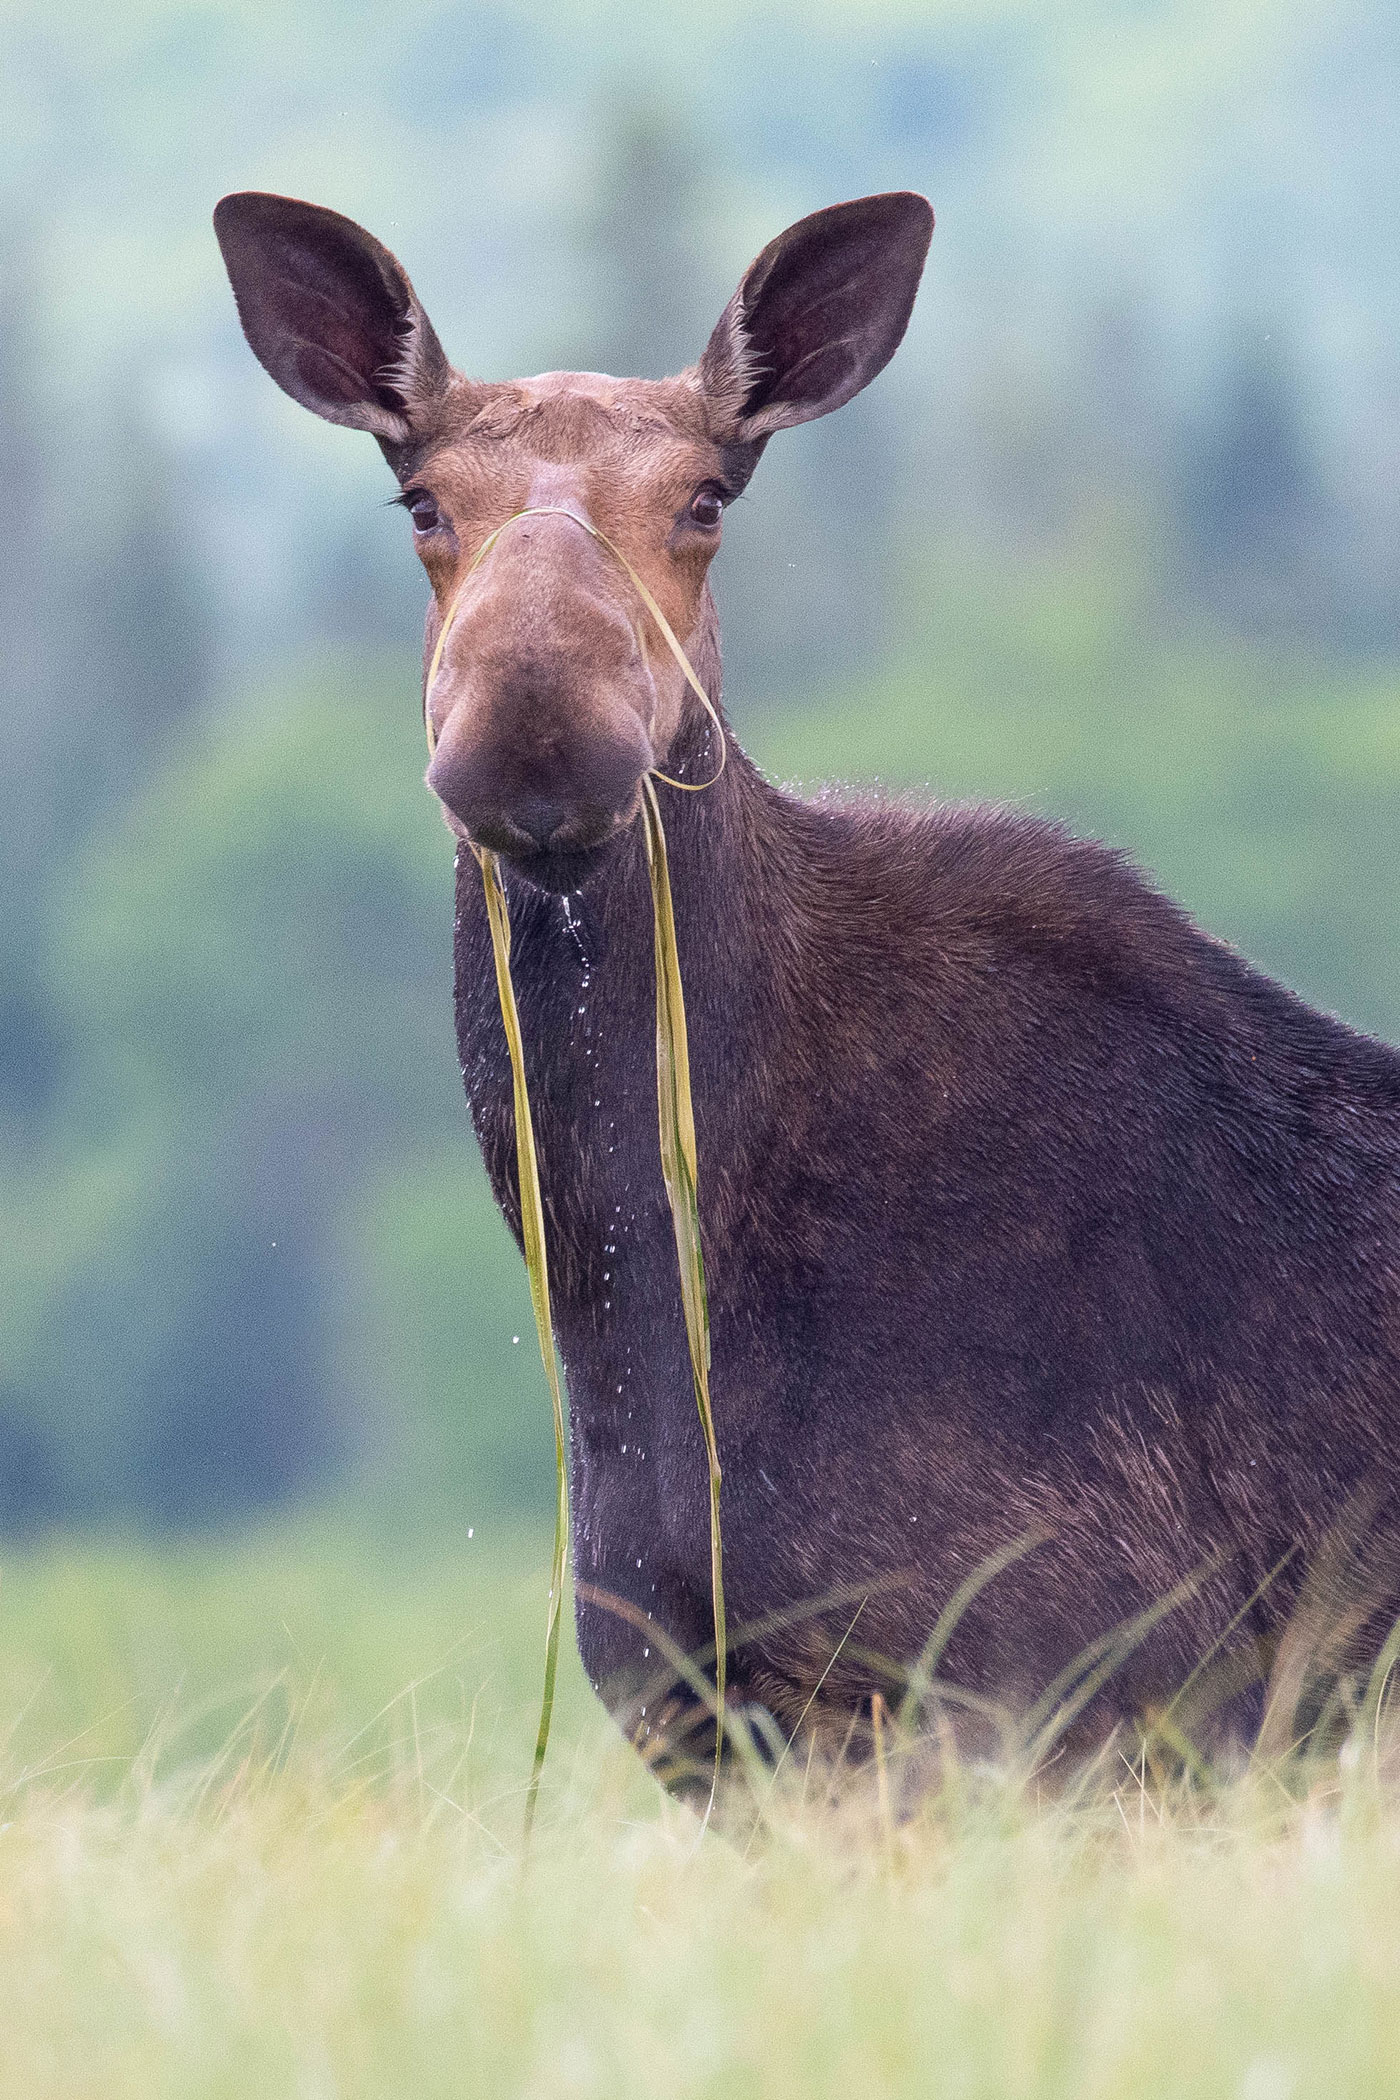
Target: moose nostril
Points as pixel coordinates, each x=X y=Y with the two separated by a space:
x=539 y=819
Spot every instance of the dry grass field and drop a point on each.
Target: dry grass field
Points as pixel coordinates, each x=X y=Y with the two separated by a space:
x=260 y=1835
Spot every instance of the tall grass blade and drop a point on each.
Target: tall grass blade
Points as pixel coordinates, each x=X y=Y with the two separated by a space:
x=920 y=1678
x=679 y=1171
x=537 y=1264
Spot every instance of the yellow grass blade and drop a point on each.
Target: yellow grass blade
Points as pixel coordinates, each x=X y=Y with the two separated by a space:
x=557 y=510
x=537 y=1263
x=679 y=1171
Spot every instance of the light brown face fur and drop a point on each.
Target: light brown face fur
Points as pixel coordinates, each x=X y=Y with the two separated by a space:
x=555 y=693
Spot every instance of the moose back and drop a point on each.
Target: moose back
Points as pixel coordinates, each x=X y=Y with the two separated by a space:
x=1030 y=1212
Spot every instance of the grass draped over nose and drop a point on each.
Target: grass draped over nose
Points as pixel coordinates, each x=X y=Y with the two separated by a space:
x=676 y=1124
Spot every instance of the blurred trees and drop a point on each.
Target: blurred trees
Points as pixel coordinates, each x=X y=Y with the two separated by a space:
x=1250 y=503
x=29 y=693
x=1067 y=548
x=251 y=971
x=654 y=293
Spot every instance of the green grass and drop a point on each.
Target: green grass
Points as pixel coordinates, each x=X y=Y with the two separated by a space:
x=260 y=1831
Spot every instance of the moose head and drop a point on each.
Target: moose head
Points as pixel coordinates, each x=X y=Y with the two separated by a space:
x=553 y=696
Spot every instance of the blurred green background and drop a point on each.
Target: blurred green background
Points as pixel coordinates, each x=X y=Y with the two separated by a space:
x=1116 y=535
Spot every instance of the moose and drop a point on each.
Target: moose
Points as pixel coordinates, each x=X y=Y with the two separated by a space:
x=1031 y=1212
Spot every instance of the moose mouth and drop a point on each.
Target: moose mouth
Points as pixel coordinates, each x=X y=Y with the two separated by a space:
x=561 y=869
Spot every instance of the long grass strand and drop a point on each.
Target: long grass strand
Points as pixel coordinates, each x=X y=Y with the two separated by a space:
x=679 y=1168
x=537 y=1264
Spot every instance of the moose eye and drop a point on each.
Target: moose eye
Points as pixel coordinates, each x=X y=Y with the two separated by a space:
x=706 y=508
x=424 y=512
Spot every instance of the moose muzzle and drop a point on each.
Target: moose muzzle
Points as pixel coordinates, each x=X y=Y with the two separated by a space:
x=547 y=796
x=540 y=708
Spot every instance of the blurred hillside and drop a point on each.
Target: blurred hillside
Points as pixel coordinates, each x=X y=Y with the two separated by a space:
x=1116 y=535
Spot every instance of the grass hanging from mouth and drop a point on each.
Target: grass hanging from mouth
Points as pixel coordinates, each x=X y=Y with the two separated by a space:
x=537 y=1263
x=680 y=1172
x=679 y=1169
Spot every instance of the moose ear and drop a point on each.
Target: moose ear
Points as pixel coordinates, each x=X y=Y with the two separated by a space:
x=330 y=314
x=820 y=312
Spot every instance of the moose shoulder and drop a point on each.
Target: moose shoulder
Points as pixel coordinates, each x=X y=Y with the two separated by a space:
x=1031 y=1213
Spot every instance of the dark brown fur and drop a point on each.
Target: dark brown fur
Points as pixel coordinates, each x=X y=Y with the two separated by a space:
x=1029 y=1210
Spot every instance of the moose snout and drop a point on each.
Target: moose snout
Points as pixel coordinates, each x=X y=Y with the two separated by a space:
x=542 y=820
x=548 y=809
